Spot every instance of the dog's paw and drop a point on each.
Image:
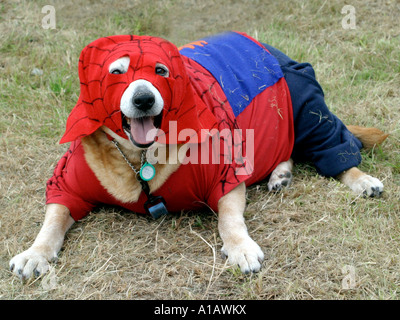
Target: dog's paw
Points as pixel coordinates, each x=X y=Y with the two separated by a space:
x=246 y=254
x=29 y=263
x=279 y=179
x=368 y=186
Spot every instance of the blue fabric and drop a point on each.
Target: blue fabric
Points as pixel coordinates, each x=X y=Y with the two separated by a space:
x=320 y=137
x=242 y=68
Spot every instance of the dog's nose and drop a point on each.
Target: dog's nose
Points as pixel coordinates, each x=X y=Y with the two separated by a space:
x=144 y=101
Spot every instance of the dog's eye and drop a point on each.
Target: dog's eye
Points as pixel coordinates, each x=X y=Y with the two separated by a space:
x=116 y=71
x=119 y=66
x=162 y=70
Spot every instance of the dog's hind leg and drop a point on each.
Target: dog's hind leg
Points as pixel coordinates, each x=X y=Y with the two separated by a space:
x=354 y=178
x=35 y=260
x=361 y=182
x=281 y=176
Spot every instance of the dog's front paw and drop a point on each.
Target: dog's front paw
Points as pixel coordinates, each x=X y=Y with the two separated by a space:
x=281 y=176
x=246 y=254
x=279 y=180
x=368 y=186
x=31 y=262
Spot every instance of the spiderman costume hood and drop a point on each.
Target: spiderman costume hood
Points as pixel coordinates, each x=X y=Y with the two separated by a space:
x=101 y=91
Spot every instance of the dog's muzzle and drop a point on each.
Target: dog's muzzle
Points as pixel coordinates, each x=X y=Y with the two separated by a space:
x=141 y=106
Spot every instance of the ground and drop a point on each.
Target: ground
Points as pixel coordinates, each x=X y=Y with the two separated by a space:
x=320 y=240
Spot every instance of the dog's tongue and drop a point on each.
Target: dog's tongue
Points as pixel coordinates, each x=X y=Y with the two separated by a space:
x=140 y=130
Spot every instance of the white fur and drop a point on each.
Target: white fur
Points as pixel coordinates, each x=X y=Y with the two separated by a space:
x=281 y=176
x=136 y=86
x=122 y=64
x=365 y=184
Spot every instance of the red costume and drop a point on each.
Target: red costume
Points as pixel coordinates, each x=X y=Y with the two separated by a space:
x=229 y=81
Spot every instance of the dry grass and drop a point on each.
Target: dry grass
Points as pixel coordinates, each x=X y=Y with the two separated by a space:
x=309 y=233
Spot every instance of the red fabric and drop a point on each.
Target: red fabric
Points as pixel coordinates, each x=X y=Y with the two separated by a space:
x=101 y=91
x=269 y=114
x=75 y=186
x=203 y=105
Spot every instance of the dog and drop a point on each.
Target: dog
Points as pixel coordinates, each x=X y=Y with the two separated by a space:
x=146 y=107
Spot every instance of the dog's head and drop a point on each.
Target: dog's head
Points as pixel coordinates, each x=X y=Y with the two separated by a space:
x=135 y=86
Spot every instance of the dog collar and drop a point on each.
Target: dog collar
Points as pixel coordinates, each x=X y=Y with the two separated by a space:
x=155 y=205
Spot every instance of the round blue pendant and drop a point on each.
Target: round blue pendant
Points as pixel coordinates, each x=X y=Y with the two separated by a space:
x=147 y=172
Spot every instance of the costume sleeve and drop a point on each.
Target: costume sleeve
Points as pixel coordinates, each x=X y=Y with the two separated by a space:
x=65 y=186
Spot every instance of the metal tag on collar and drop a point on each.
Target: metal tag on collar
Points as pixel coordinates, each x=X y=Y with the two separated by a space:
x=147 y=172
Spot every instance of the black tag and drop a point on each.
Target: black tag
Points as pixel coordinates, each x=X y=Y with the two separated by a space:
x=155 y=206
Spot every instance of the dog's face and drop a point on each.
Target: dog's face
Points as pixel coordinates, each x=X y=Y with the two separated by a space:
x=141 y=85
x=141 y=104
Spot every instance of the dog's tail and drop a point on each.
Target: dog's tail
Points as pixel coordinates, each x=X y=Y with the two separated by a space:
x=369 y=137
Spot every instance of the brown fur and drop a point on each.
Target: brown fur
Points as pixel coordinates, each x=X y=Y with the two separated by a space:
x=370 y=137
x=112 y=170
x=351 y=175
